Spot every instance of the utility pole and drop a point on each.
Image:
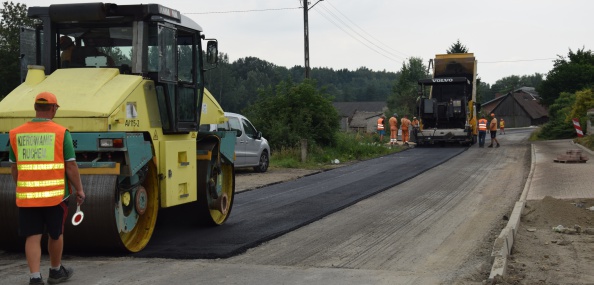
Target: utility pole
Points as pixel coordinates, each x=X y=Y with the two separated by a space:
x=306 y=34
x=306 y=38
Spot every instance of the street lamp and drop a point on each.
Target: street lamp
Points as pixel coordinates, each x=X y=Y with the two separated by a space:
x=306 y=35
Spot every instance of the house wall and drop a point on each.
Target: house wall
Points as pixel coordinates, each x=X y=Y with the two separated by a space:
x=371 y=126
x=344 y=124
x=512 y=113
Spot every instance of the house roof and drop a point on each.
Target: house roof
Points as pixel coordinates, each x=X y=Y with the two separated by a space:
x=530 y=104
x=348 y=109
x=527 y=98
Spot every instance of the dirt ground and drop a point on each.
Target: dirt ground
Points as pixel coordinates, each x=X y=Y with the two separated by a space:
x=542 y=255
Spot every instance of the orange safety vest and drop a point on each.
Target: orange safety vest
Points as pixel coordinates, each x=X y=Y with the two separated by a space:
x=482 y=125
x=393 y=124
x=380 y=124
x=405 y=123
x=39 y=152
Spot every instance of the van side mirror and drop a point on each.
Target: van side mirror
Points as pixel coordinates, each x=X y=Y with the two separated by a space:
x=239 y=133
x=259 y=135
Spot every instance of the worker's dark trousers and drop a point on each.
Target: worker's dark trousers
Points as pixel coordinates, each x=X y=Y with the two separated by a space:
x=482 y=135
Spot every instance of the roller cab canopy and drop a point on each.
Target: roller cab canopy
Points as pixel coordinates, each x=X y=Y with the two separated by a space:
x=114 y=52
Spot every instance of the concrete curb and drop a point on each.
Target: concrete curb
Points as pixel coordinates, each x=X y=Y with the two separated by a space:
x=583 y=148
x=504 y=242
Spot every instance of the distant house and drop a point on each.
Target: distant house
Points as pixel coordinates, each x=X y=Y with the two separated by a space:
x=519 y=108
x=360 y=116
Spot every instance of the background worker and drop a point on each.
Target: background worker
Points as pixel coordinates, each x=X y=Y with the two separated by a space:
x=381 y=129
x=493 y=130
x=405 y=123
x=416 y=127
x=482 y=131
x=394 y=129
x=501 y=127
x=43 y=206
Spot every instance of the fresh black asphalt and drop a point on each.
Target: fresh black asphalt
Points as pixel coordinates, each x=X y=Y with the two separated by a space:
x=265 y=213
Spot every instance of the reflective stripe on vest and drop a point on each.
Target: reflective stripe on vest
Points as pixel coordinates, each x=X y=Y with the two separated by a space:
x=40 y=183
x=482 y=125
x=43 y=194
x=40 y=166
x=380 y=126
x=39 y=153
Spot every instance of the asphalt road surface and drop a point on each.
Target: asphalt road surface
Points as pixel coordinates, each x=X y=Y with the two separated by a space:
x=265 y=213
x=437 y=227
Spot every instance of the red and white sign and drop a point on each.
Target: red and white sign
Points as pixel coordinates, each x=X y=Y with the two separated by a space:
x=578 y=129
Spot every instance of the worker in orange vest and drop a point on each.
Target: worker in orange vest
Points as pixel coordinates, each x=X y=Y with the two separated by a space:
x=482 y=130
x=405 y=123
x=381 y=128
x=394 y=129
x=43 y=167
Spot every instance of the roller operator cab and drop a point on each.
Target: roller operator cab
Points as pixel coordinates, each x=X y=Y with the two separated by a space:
x=447 y=102
x=129 y=81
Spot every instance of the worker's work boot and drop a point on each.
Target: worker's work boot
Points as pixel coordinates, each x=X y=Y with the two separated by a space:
x=491 y=145
x=60 y=275
x=497 y=145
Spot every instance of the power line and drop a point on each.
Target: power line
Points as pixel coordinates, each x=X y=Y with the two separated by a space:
x=370 y=35
x=355 y=38
x=243 y=11
x=519 y=60
x=357 y=33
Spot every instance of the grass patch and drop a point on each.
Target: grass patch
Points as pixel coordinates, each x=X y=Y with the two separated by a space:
x=349 y=147
x=536 y=135
x=587 y=141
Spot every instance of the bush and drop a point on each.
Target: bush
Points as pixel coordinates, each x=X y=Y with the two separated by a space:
x=348 y=147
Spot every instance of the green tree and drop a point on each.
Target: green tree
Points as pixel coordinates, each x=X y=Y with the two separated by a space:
x=14 y=16
x=559 y=127
x=584 y=101
x=457 y=47
x=404 y=93
x=513 y=82
x=292 y=112
x=568 y=75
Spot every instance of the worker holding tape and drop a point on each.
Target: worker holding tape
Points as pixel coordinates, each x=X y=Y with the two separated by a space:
x=44 y=169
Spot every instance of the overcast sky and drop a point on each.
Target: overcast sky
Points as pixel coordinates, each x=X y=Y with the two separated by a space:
x=507 y=37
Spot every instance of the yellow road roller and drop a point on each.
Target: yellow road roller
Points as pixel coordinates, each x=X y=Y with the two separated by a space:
x=129 y=79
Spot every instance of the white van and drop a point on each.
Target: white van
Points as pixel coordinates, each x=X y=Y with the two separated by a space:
x=251 y=149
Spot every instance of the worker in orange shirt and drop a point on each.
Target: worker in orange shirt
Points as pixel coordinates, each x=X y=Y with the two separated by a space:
x=493 y=130
x=394 y=129
x=381 y=129
x=405 y=123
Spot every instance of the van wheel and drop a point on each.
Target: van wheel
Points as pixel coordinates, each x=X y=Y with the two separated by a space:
x=264 y=161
